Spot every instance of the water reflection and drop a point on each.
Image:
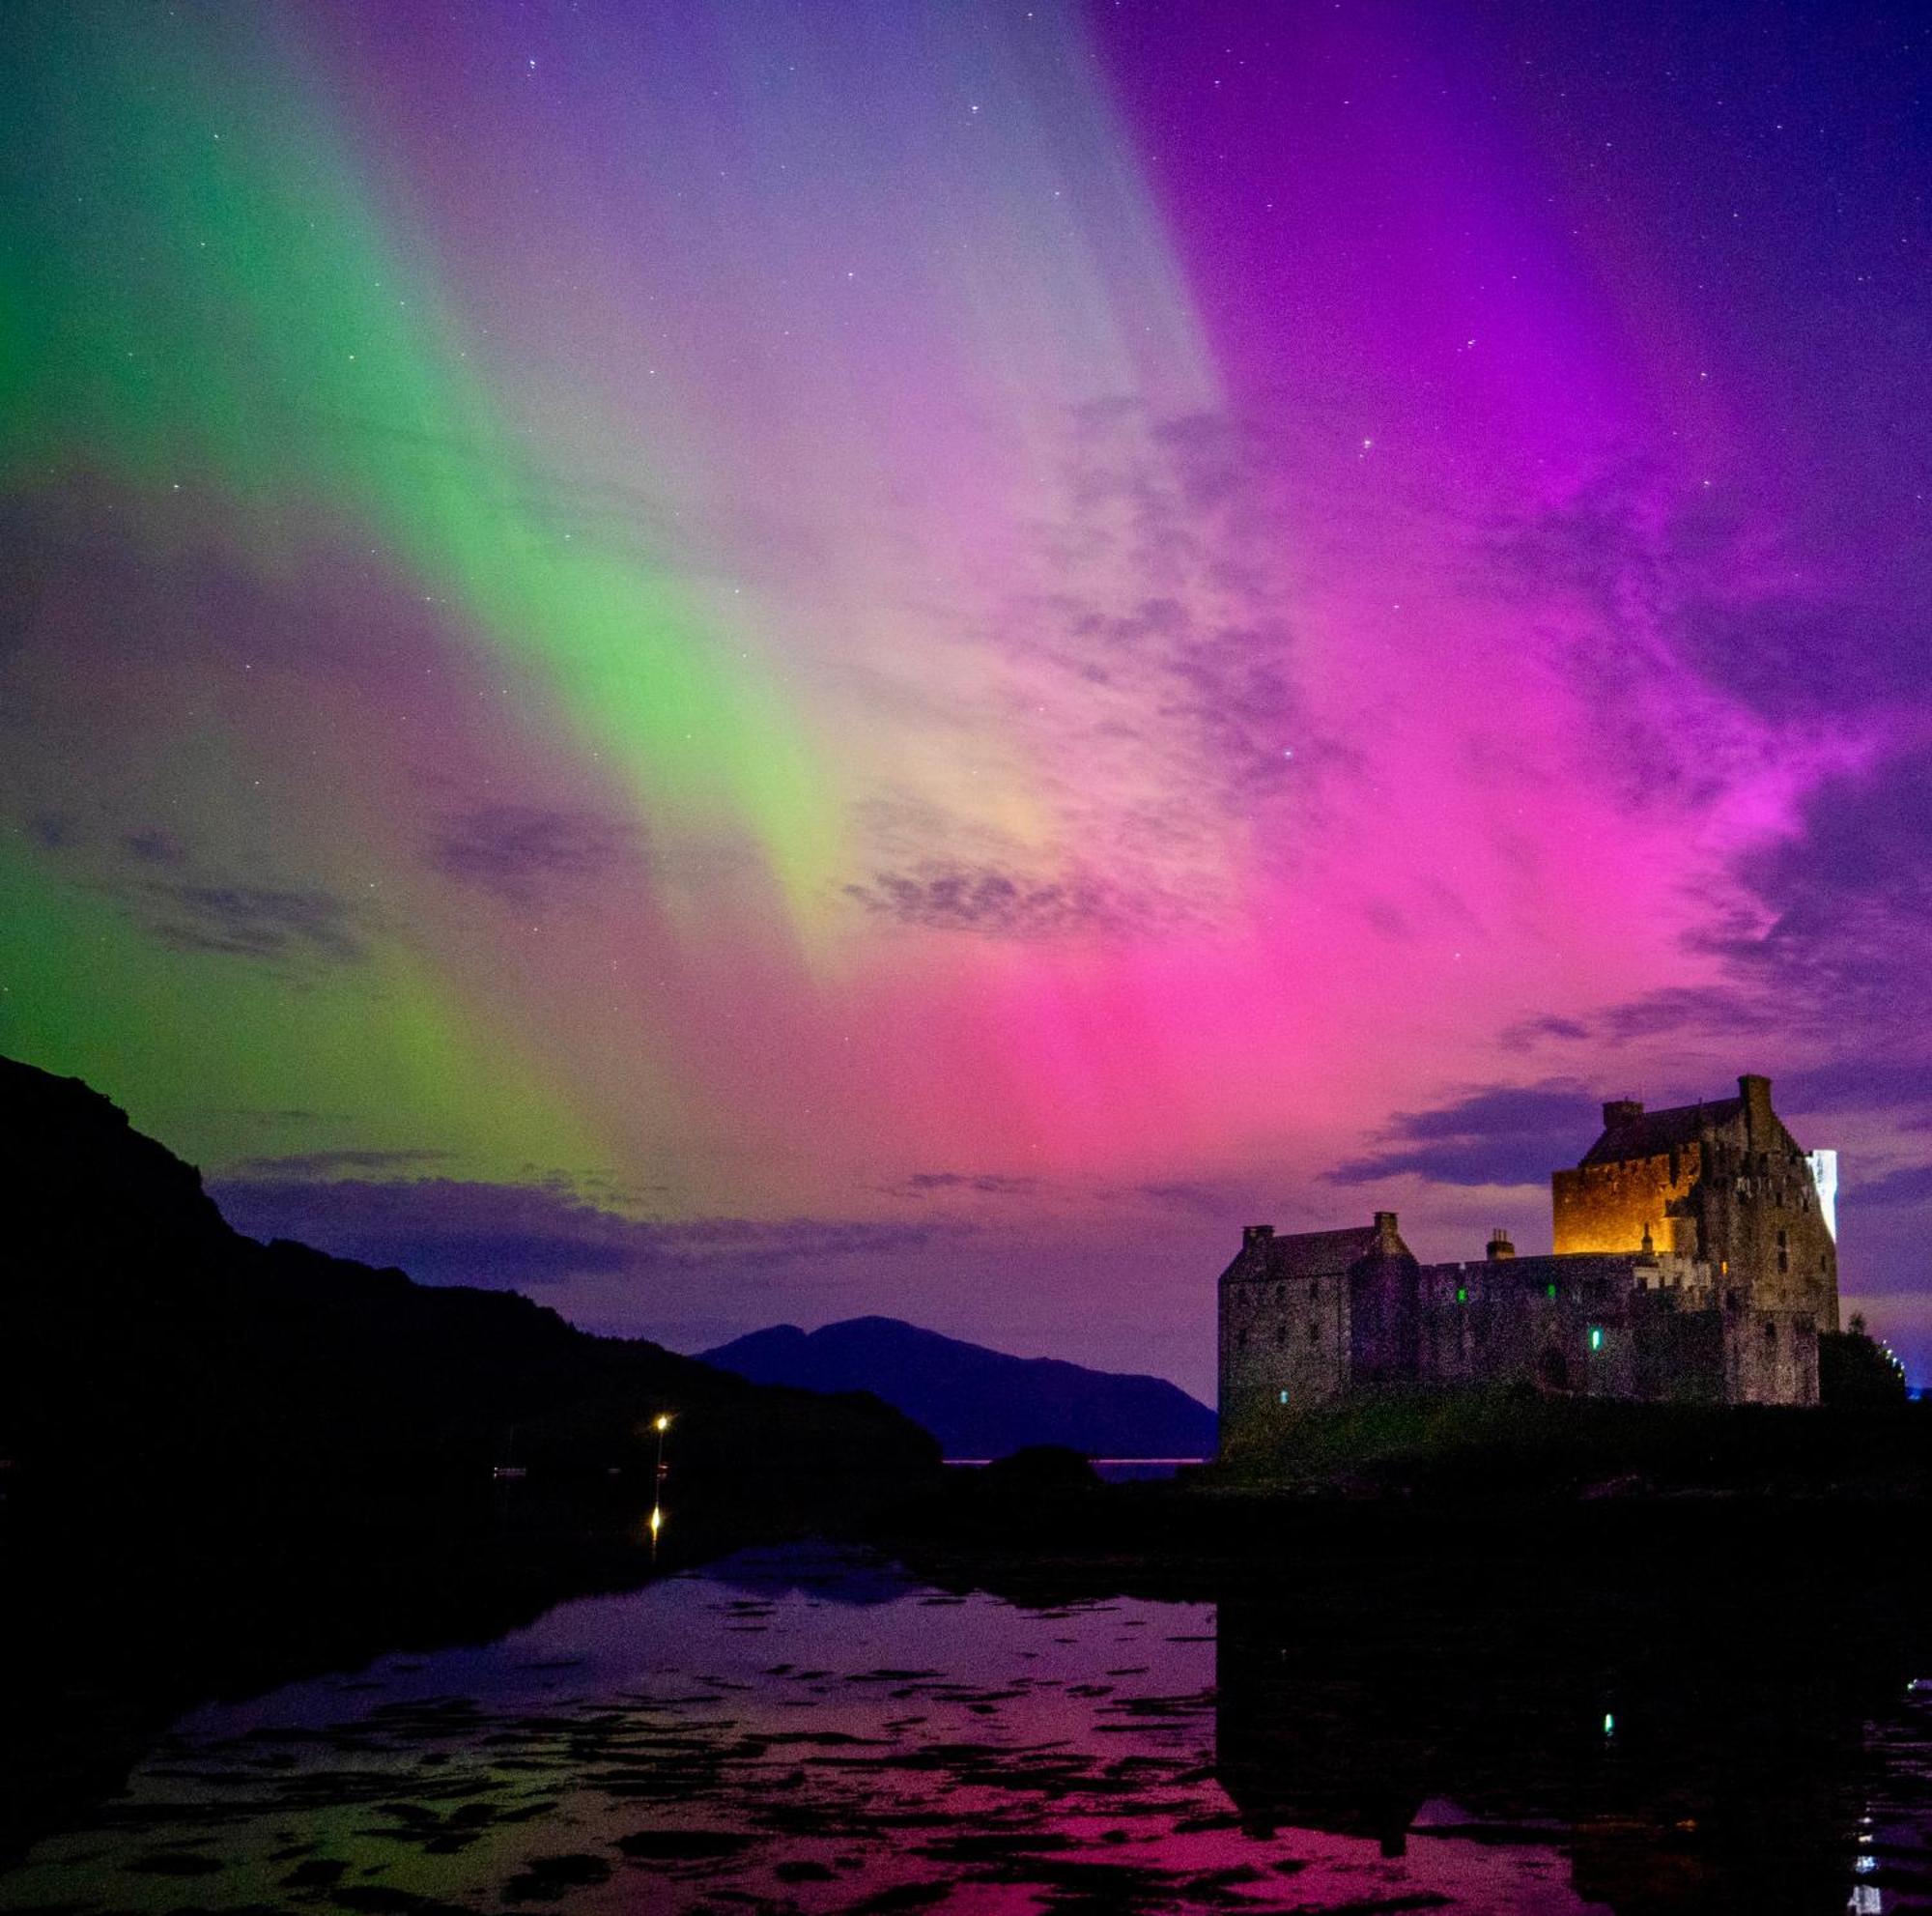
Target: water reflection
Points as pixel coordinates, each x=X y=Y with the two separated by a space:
x=1684 y=1756
x=814 y=1729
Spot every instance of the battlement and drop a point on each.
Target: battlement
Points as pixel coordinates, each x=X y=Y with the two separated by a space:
x=1694 y=1259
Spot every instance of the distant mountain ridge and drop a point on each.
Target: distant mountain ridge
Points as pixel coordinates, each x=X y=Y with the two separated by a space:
x=145 y=1345
x=978 y=1402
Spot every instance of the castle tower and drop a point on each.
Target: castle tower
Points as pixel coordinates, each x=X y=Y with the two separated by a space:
x=1727 y=1185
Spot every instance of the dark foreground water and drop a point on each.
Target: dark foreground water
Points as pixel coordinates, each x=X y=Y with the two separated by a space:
x=816 y=1730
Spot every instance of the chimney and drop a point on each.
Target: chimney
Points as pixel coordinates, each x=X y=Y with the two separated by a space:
x=1499 y=1245
x=1256 y=1234
x=1756 y=1095
x=1622 y=1111
x=1386 y=1236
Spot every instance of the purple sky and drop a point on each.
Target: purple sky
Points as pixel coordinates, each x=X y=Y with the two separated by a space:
x=752 y=662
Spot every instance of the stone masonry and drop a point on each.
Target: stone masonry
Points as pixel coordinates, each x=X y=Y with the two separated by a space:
x=1694 y=1262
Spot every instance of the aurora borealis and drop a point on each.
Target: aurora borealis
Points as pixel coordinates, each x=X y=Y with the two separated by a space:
x=747 y=661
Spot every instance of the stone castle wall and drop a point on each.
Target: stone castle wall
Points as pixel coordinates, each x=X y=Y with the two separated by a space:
x=1700 y=1270
x=1610 y=1207
x=1284 y=1341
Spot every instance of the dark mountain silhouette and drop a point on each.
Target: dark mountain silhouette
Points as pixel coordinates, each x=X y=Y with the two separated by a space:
x=979 y=1403
x=147 y=1349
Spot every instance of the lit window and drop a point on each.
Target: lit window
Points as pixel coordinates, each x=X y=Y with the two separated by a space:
x=1596 y=1337
x=1462 y=1295
x=1549 y=1290
x=1281 y=1396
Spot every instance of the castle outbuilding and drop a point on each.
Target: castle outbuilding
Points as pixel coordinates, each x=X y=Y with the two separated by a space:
x=1696 y=1261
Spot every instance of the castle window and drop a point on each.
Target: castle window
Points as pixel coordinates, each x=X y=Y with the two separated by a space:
x=1314 y=1332
x=1281 y=1396
x=1596 y=1337
x=1281 y=1333
x=1770 y=1336
x=1549 y=1290
x=1241 y=1340
x=1462 y=1294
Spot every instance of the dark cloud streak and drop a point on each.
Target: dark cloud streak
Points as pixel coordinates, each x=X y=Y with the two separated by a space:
x=453 y=1231
x=1498 y=1134
x=513 y=851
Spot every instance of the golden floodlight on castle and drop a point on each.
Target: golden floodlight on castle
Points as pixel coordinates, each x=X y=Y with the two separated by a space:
x=1696 y=1261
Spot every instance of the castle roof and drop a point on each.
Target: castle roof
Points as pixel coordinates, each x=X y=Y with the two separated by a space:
x=1630 y=1131
x=1320 y=1253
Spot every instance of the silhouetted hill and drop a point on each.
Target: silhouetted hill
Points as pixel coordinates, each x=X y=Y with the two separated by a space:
x=979 y=1403
x=147 y=1349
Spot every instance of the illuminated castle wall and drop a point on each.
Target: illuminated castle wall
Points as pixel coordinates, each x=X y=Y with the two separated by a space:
x=1695 y=1260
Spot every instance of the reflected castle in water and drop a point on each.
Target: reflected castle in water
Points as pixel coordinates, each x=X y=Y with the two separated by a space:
x=1681 y=1769
x=1696 y=1261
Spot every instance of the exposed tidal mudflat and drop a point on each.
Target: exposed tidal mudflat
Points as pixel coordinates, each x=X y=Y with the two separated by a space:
x=816 y=1729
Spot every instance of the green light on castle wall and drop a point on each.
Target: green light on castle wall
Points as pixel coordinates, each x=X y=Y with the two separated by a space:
x=1462 y=1295
x=1549 y=1290
x=1596 y=1339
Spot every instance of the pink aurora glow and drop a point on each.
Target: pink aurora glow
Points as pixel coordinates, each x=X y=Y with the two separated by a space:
x=1215 y=507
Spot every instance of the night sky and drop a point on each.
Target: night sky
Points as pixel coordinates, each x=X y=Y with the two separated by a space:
x=752 y=662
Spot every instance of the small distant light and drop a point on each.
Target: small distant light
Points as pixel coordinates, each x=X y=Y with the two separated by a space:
x=663 y=1423
x=657 y=1519
x=1596 y=1339
x=1609 y=1724
x=1462 y=1294
x=1281 y=1397
x=1549 y=1290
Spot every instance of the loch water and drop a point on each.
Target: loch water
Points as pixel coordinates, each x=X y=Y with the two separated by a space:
x=816 y=1729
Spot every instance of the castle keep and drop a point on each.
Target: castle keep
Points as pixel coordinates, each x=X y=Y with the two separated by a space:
x=1696 y=1261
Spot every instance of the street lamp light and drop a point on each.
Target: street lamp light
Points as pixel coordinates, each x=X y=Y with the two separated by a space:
x=660 y=1425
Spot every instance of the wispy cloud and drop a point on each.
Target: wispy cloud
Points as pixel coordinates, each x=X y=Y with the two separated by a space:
x=514 y=851
x=1198 y=1199
x=1005 y=905
x=1146 y=664
x=981 y=1184
x=276 y=923
x=153 y=847
x=447 y=1230
x=1498 y=1134
x=1905 y=1188
x=326 y=1163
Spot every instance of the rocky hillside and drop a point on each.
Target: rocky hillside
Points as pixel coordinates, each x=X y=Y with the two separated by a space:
x=147 y=1349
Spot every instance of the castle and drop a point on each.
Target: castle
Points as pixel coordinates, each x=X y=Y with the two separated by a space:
x=1696 y=1261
